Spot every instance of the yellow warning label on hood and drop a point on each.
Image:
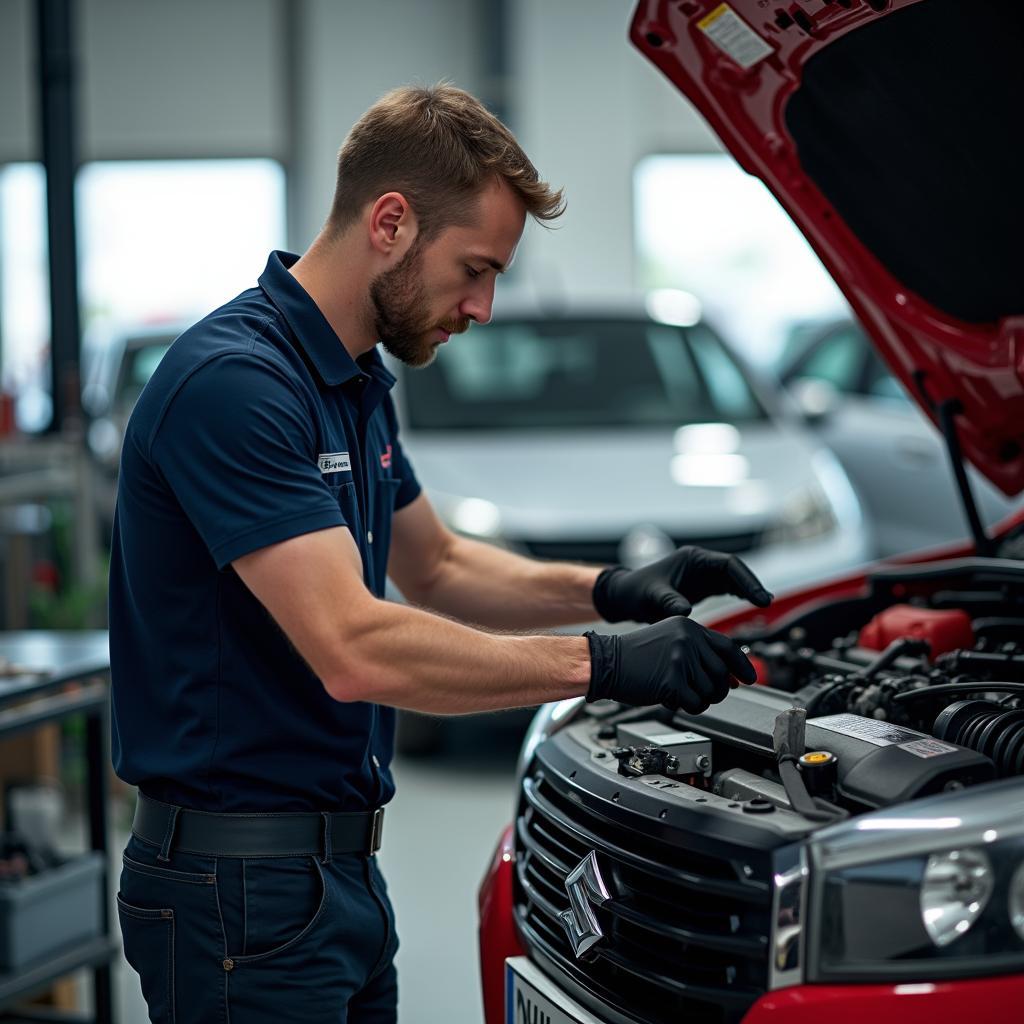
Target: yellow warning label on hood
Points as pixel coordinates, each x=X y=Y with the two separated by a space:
x=733 y=36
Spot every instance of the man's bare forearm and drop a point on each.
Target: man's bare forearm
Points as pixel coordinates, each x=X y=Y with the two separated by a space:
x=480 y=583
x=409 y=658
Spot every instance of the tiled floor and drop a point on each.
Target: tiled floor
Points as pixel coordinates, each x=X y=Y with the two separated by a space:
x=440 y=833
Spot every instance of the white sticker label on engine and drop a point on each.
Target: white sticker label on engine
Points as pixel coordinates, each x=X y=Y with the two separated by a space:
x=731 y=34
x=928 y=748
x=871 y=730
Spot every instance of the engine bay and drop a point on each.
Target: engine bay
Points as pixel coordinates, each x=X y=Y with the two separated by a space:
x=913 y=687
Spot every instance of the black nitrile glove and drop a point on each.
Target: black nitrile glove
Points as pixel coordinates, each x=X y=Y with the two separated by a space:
x=677 y=662
x=673 y=584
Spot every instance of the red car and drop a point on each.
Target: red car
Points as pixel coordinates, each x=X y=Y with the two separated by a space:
x=844 y=841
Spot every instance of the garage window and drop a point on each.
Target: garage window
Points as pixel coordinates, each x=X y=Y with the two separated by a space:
x=705 y=226
x=159 y=242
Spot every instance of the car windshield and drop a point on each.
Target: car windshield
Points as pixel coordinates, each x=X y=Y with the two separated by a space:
x=544 y=374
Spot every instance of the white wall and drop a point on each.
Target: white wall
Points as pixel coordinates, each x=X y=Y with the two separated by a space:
x=182 y=79
x=17 y=92
x=587 y=107
x=155 y=79
x=349 y=54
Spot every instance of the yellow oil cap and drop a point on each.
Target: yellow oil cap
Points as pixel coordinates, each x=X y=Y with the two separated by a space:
x=816 y=757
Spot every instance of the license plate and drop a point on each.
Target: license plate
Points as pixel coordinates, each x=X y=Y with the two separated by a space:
x=531 y=998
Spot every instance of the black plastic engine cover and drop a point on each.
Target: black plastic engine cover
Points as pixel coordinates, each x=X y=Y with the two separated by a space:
x=880 y=764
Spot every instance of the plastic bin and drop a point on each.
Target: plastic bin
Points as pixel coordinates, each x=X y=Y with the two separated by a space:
x=44 y=913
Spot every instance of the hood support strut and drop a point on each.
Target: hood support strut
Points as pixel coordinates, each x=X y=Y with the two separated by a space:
x=947 y=413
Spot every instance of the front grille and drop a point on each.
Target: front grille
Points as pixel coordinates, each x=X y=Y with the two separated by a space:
x=686 y=936
x=605 y=551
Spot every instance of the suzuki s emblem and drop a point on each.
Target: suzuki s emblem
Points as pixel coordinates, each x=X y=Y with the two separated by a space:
x=586 y=890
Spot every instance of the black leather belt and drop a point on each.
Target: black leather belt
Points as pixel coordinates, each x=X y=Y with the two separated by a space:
x=283 y=834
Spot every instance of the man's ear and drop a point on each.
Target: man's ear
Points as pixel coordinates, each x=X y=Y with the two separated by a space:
x=393 y=226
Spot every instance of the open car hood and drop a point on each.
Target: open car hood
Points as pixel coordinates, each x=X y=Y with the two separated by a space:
x=891 y=132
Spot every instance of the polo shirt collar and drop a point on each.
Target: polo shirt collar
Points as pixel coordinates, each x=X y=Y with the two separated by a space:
x=310 y=327
x=373 y=364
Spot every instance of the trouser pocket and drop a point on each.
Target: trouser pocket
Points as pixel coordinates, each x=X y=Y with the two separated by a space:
x=269 y=906
x=172 y=934
x=149 y=949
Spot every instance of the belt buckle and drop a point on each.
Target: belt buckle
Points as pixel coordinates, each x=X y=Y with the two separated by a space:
x=376 y=830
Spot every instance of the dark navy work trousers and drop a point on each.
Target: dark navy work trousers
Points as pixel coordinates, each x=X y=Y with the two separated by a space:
x=259 y=940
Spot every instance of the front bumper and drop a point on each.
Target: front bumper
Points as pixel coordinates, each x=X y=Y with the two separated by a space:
x=979 y=1001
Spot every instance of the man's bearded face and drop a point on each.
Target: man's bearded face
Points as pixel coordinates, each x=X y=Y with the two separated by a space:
x=400 y=306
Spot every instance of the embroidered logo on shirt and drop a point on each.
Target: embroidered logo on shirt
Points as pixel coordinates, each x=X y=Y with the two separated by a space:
x=336 y=462
x=385 y=459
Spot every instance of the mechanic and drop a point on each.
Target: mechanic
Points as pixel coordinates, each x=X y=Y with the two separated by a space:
x=264 y=496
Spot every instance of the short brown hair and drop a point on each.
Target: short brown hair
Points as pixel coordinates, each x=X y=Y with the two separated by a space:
x=438 y=146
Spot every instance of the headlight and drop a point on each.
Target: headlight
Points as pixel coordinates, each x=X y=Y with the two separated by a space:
x=806 y=515
x=933 y=889
x=956 y=888
x=1016 y=901
x=546 y=722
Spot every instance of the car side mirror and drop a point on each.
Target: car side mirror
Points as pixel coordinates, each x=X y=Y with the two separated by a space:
x=816 y=399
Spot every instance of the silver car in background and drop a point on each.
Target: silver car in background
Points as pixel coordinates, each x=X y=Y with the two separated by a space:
x=616 y=433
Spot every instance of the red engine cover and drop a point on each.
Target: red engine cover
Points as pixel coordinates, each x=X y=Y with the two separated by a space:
x=944 y=630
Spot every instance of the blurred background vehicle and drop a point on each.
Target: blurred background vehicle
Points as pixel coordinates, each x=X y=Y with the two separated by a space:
x=612 y=433
x=894 y=457
x=117 y=366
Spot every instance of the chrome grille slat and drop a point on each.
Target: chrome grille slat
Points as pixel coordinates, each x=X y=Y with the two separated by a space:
x=554 y=840
x=523 y=835
x=740 y=945
x=701 y=919
x=548 y=908
x=663 y=981
x=555 y=892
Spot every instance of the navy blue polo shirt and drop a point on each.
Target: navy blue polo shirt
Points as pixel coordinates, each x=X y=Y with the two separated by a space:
x=257 y=426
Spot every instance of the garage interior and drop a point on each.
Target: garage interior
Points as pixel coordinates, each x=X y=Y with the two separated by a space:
x=127 y=132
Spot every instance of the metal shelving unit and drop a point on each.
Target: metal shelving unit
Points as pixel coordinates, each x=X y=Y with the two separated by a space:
x=50 y=676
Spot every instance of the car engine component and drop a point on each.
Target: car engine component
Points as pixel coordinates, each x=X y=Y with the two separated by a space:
x=679 y=753
x=995 y=732
x=942 y=629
